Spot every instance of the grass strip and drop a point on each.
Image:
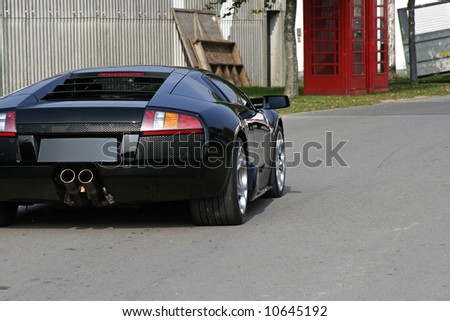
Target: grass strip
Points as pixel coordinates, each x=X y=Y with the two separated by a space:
x=438 y=85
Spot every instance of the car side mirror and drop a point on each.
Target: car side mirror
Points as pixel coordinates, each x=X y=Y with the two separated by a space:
x=275 y=102
x=271 y=102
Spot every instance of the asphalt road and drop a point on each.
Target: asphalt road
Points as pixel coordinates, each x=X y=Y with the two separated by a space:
x=377 y=229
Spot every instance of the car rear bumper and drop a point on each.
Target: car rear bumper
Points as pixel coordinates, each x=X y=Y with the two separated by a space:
x=127 y=184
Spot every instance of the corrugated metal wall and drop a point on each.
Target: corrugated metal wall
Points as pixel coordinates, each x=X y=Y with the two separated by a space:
x=250 y=33
x=40 y=38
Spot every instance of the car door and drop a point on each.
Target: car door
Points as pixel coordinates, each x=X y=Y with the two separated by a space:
x=257 y=124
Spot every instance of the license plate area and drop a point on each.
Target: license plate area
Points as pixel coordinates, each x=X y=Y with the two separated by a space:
x=78 y=150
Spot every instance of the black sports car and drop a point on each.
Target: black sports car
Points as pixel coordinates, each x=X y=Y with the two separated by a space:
x=139 y=134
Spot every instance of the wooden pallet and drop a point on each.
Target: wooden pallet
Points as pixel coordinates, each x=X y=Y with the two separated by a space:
x=223 y=59
x=205 y=47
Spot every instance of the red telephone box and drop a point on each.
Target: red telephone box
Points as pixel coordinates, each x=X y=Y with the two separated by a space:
x=346 y=46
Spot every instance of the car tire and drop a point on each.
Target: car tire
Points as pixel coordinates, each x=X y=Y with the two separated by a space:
x=8 y=214
x=228 y=208
x=277 y=178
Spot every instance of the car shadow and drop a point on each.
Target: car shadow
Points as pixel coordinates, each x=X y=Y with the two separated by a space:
x=155 y=215
x=289 y=190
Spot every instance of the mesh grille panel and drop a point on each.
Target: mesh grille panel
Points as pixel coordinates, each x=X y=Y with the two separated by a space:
x=175 y=148
x=78 y=128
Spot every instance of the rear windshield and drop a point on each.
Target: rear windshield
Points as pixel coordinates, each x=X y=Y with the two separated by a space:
x=108 y=86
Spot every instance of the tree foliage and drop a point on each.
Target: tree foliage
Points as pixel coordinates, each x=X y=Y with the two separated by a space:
x=236 y=5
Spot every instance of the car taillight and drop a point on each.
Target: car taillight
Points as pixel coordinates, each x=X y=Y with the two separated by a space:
x=8 y=124
x=168 y=123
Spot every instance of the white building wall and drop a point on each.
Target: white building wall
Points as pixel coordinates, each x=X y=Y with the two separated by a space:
x=399 y=52
x=299 y=34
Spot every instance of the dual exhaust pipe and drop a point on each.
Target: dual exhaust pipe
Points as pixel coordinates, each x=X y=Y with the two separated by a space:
x=83 y=187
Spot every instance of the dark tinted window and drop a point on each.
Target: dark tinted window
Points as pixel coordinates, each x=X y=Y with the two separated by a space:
x=232 y=93
x=107 y=86
x=191 y=87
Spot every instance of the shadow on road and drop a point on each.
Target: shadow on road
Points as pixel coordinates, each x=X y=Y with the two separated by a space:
x=155 y=215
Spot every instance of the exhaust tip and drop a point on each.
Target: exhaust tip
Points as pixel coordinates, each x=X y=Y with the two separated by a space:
x=67 y=176
x=85 y=176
